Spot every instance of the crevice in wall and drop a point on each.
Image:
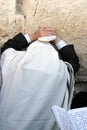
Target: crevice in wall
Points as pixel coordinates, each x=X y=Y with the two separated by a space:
x=19 y=6
x=36 y=8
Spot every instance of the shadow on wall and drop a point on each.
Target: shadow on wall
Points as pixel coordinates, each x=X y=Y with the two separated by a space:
x=80 y=86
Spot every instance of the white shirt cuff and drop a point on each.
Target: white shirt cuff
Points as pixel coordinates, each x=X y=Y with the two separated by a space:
x=61 y=44
x=27 y=38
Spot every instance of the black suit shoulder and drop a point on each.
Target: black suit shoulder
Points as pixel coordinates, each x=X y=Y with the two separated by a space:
x=18 y=42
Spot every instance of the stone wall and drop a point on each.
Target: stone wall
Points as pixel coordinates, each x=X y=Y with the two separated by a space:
x=68 y=17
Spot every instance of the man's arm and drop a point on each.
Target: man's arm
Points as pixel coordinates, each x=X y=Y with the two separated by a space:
x=20 y=41
x=68 y=53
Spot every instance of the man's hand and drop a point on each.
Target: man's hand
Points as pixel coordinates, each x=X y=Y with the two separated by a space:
x=42 y=31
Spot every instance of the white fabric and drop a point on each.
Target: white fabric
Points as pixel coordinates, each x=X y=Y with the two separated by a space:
x=33 y=81
x=46 y=38
x=27 y=38
x=61 y=44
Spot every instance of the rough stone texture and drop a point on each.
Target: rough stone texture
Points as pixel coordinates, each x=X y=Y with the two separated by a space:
x=68 y=17
x=7 y=20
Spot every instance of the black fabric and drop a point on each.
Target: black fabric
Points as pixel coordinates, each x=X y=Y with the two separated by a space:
x=80 y=100
x=18 y=42
x=68 y=54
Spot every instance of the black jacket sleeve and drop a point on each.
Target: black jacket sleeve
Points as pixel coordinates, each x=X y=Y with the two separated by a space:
x=69 y=55
x=18 y=42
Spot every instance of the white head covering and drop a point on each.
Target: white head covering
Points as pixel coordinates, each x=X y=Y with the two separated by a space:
x=33 y=81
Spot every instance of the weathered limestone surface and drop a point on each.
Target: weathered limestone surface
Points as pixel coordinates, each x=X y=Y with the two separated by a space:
x=68 y=17
x=7 y=19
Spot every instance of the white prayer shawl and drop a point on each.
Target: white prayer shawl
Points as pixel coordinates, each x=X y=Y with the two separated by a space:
x=33 y=81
